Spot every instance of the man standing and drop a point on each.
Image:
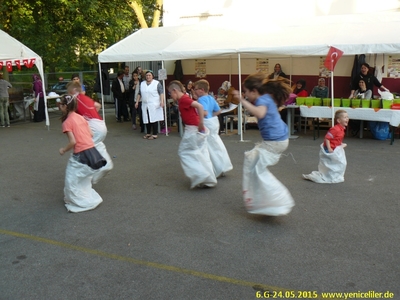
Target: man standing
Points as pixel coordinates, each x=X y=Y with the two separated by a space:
x=4 y=117
x=118 y=89
x=127 y=77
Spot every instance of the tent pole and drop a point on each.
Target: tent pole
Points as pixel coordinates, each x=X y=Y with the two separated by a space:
x=45 y=104
x=101 y=91
x=333 y=102
x=240 y=128
x=165 y=103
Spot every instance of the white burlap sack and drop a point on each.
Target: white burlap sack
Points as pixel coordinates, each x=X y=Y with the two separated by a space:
x=78 y=192
x=331 y=167
x=263 y=193
x=195 y=159
x=99 y=130
x=218 y=154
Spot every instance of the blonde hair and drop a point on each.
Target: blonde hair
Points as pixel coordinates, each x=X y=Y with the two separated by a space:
x=339 y=113
x=202 y=84
x=74 y=87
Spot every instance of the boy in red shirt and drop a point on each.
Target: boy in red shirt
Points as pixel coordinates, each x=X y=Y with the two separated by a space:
x=335 y=134
x=332 y=159
x=193 y=152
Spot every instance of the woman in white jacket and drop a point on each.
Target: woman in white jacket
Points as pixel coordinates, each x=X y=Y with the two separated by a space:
x=152 y=97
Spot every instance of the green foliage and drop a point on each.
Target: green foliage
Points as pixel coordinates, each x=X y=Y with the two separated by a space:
x=69 y=34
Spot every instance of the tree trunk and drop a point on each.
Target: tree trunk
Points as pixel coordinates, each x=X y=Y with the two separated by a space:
x=157 y=13
x=138 y=9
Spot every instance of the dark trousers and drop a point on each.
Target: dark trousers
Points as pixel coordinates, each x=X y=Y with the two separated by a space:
x=133 y=113
x=122 y=110
x=139 y=111
x=40 y=114
x=221 y=119
x=151 y=126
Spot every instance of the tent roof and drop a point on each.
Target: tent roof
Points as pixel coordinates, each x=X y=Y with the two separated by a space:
x=353 y=34
x=12 y=49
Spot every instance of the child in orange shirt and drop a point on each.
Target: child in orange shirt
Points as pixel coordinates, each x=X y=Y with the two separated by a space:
x=84 y=162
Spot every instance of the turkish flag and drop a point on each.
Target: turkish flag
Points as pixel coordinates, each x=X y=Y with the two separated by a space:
x=18 y=64
x=1 y=65
x=9 y=65
x=32 y=62
x=332 y=58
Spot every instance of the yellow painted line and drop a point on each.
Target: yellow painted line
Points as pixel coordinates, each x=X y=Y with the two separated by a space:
x=150 y=264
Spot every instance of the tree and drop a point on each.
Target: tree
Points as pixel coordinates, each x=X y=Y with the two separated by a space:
x=69 y=34
x=137 y=6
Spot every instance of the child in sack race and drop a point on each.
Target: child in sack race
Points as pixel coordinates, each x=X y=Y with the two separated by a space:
x=78 y=192
x=332 y=158
x=218 y=154
x=89 y=109
x=193 y=151
x=263 y=193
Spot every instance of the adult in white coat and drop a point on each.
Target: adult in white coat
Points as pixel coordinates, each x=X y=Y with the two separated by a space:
x=152 y=97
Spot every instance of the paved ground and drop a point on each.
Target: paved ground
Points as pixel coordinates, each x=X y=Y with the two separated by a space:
x=154 y=238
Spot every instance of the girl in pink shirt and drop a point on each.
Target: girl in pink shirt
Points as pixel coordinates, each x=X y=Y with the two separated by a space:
x=83 y=163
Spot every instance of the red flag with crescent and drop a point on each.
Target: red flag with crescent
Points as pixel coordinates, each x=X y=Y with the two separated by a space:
x=1 y=65
x=9 y=65
x=32 y=62
x=332 y=58
x=29 y=62
x=18 y=64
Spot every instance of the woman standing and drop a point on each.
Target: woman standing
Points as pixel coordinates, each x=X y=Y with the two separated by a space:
x=39 y=108
x=134 y=86
x=262 y=192
x=189 y=88
x=151 y=96
x=277 y=72
x=370 y=80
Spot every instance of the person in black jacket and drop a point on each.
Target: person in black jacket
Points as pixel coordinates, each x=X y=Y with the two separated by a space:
x=118 y=90
x=277 y=72
x=370 y=80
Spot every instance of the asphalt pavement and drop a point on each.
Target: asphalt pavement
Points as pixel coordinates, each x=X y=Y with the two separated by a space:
x=155 y=238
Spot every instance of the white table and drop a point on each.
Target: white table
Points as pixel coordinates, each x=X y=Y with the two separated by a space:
x=51 y=98
x=369 y=114
x=22 y=106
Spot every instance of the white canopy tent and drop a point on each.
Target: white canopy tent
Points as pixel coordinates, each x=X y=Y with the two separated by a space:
x=11 y=50
x=353 y=34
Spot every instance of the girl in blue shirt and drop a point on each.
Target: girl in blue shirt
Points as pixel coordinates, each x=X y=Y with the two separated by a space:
x=264 y=96
x=263 y=193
